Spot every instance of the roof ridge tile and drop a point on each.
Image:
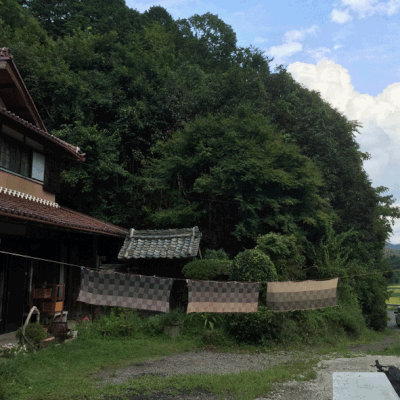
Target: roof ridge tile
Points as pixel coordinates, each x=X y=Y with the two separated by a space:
x=29 y=197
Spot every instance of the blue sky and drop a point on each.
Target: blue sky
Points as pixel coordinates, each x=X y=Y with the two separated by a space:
x=348 y=50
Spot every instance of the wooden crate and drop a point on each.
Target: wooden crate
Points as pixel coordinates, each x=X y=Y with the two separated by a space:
x=41 y=294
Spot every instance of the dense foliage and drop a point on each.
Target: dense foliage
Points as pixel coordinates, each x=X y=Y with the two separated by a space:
x=207 y=269
x=393 y=261
x=183 y=127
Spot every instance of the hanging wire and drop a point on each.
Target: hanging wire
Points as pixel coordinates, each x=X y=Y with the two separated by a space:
x=43 y=259
x=177 y=279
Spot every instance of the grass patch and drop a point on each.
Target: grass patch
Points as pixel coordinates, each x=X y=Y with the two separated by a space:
x=62 y=371
x=393 y=300
x=394 y=292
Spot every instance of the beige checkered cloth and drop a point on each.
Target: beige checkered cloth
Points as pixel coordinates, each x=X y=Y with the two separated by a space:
x=222 y=297
x=290 y=296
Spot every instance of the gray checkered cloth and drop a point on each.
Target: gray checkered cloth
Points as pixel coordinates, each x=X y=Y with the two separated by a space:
x=222 y=297
x=290 y=296
x=124 y=290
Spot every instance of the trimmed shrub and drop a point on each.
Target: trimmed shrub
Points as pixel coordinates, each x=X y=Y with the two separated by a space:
x=207 y=269
x=252 y=266
x=34 y=332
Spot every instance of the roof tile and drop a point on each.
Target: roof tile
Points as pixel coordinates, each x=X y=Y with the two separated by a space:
x=25 y=208
x=168 y=243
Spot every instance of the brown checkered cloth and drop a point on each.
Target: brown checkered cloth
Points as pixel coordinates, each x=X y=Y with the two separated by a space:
x=125 y=290
x=222 y=297
x=290 y=296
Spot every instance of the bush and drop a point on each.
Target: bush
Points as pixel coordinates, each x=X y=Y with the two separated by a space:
x=213 y=338
x=2 y=392
x=252 y=328
x=154 y=325
x=296 y=327
x=206 y=269
x=34 y=332
x=173 y=317
x=120 y=322
x=253 y=266
x=306 y=326
x=219 y=254
x=372 y=292
x=286 y=254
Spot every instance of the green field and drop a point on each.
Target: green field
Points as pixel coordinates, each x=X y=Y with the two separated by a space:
x=394 y=295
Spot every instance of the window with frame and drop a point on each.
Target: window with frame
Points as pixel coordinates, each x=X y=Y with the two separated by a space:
x=20 y=159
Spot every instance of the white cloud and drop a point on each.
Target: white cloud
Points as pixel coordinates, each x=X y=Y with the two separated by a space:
x=319 y=53
x=291 y=44
x=280 y=53
x=363 y=9
x=297 y=35
x=341 y=17
x=337 y=46
x=380 y=117
x=260 y=39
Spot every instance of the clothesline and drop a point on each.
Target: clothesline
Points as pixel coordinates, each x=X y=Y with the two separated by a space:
x=115 y=289
x=176 y=279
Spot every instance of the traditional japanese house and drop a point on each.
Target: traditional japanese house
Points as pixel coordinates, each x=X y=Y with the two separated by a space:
x=34 y=228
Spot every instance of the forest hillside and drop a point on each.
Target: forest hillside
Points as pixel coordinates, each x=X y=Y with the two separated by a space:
x=183 y=127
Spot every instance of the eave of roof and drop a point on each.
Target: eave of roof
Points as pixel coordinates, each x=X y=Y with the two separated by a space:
x=28 y=208
x=5 y=55
x=72 y=151
x=38 y=127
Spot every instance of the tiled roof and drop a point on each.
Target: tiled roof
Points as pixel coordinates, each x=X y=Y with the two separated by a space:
x=168 y=243
x=74 y=151
x=30 y=208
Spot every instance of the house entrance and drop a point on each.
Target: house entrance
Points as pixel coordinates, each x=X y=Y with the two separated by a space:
x=15 y=274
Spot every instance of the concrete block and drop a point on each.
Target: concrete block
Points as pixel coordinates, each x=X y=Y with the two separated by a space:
x=362 y=386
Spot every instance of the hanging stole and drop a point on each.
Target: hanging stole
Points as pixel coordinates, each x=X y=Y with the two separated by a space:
x=125 y=290
x=222 y=297
x=290 y=296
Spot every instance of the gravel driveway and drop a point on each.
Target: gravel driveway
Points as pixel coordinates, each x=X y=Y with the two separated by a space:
x=204 y=362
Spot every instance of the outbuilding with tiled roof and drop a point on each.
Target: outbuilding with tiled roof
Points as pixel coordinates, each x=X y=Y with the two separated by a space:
x=166 y=243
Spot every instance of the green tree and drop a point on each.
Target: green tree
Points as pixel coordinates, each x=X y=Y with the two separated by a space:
x=101 y=180
x=286 y=253
x=234 y=175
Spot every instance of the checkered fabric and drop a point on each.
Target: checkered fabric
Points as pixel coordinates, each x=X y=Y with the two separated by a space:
x=124 y=290
x=222 y=297
x=290 y=296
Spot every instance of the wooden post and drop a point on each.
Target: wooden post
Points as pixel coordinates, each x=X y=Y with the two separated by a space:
x=96 y=263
